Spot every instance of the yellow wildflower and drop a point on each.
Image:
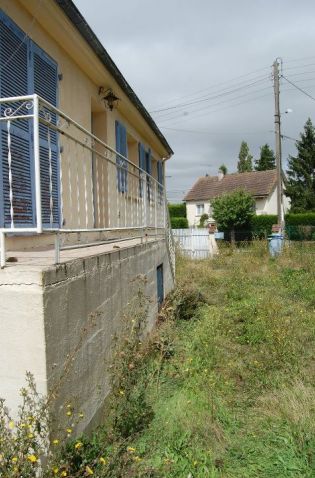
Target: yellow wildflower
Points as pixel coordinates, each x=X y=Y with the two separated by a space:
x=15 y=469
x=11 y=424
x=89 y=471
x=102 y=461
x=22 y=425
x=14 y=459
x=31 y=418
x=81 y=415
x=30 y=435
x=78 y=445
x=69 y=405
x=121 y=392
x=69 y=431
x=55 y=442
x=64 y=473
x=130 y=449
x=32 y=458
x=69 y=413
x=55 y=470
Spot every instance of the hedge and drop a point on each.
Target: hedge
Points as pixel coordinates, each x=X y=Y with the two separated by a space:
x=179 y=223
x=177 y=210
x=299 y=227
x=301 y=219
x=262 y=225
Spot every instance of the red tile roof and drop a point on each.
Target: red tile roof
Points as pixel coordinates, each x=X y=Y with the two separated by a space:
x=257 y=183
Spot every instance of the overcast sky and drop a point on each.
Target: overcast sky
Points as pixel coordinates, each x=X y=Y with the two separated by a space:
x=217 y=56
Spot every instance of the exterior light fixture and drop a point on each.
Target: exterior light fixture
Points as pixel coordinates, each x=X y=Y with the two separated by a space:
x=109 y=97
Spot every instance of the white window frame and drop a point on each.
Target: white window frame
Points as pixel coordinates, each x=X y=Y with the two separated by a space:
x=200 y=206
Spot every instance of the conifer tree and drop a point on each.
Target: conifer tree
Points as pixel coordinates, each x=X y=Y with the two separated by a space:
x=245 y=159
x=266 y=160
x=301 y=172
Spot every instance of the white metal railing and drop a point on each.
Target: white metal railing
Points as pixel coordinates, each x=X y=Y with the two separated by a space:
x=60 y=178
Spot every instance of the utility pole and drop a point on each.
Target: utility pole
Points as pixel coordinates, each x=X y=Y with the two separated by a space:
x=278 y=143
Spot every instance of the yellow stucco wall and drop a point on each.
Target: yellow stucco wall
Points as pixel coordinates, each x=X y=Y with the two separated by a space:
x=82 y=75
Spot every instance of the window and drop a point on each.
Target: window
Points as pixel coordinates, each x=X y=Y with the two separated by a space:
x=160 y=285
x=122 y=164
x=26 y=69
x=200 y=209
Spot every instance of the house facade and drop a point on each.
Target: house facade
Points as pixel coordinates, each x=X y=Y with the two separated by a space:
x=262 y=185
x=82 y=200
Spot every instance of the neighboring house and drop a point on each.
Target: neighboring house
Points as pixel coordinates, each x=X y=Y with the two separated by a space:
x=262 y=185
x=82 y=202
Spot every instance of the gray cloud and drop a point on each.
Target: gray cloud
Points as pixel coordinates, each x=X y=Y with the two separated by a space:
x=168 y=50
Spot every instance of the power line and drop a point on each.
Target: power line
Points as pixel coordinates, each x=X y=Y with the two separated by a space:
x=296 y=60
x=298 y=88
x=232 y=80
x=212 y=133
x=301 y=73
x=177 y=118
x=209 y=107
x=174 y=114
x=299 y=66
x=288 y=137
x=169 y=105
x=201 y=100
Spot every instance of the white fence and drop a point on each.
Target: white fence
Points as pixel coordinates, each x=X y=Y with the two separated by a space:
x=194 y=243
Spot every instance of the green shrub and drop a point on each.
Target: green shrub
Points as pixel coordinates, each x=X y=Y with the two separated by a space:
x=203 y=219
x=300 y=227
x=177 y=210
x=261 y=225
x=303 y=219
x=179 y=223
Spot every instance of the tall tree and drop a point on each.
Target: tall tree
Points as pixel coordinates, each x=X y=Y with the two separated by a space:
x=266 y=160
x=245 y=159
x=301 y=171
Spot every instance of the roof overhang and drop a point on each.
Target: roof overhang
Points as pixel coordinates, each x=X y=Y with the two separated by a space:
x=86 y=32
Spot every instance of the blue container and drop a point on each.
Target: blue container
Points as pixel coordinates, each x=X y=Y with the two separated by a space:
x=275 y=244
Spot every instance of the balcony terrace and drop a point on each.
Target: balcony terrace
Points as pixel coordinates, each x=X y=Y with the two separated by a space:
x=63 y=185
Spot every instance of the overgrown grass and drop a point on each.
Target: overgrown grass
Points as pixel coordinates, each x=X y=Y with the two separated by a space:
x=229 y=375
x=225 y=386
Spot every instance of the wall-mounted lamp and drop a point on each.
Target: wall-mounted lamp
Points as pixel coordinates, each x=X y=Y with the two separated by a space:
x=109 y=97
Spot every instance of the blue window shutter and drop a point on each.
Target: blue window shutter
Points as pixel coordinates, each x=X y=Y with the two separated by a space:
x=14 y=81
x=45 y=84
x=142 y=162
x=160 y=171
x=149 y=162
x=142 y=165
x=149 y=171
x=121 y=147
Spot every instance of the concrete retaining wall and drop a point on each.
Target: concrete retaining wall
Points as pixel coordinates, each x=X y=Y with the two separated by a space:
x=72 y=313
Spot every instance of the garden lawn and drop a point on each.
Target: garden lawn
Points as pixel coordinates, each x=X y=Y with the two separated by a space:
x=225 y=386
